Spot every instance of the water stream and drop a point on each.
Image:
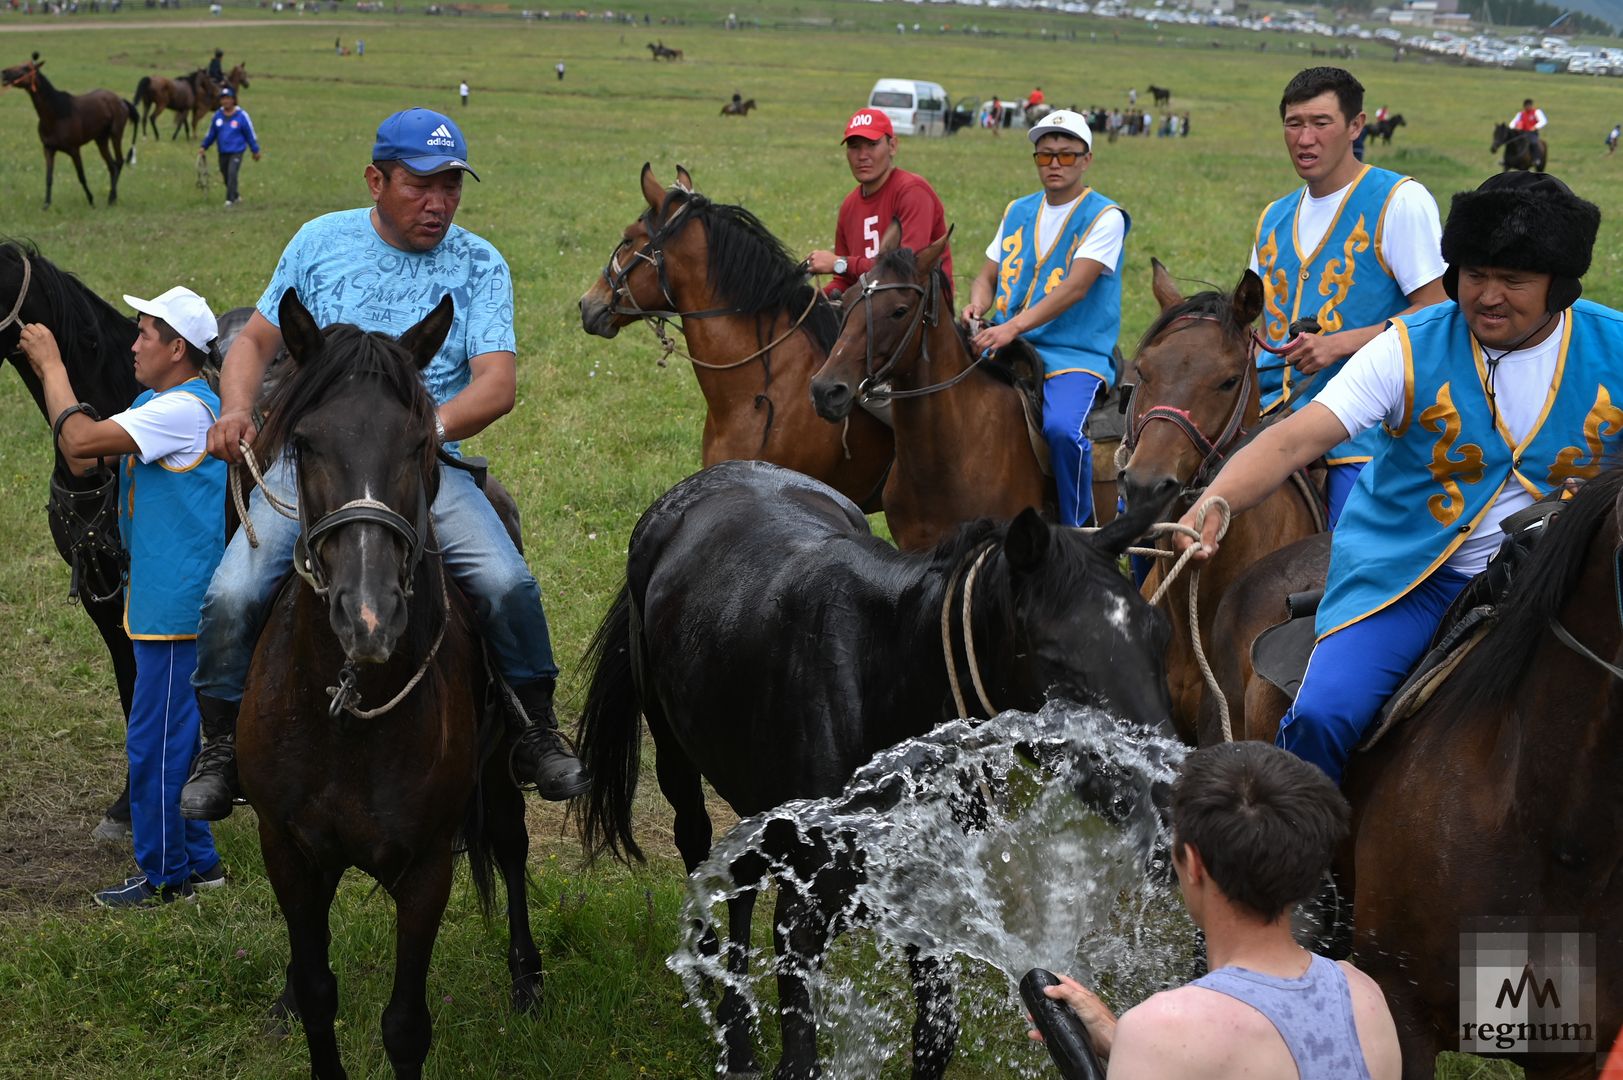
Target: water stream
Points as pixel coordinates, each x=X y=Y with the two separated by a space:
x=969 y=850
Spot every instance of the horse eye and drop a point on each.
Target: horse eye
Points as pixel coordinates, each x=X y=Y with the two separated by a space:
x=899 y=312
x=1230 y=383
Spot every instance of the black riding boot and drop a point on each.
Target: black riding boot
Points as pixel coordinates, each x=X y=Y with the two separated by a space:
x=212 y=788
x=541 y=756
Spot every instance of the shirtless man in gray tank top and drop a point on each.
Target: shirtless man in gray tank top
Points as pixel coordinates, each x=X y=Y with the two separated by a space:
x=1254 y=828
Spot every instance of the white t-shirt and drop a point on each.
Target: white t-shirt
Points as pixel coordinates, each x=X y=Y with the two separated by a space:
x=1102 y=245
x=1411 y=236
x=464 y=89
x=1370 y=389
x=173 y=427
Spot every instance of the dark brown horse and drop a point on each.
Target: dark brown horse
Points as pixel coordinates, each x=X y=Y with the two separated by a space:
x=391 y=762
x=755 y=329
x=68 y=121
x=1195 y=398
x=1498 y=799
x=738 y=108
x=208 y=92
x=962 y=449
x=1523 y=149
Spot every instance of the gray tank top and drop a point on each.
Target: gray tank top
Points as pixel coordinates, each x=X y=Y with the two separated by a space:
x=1313 y=1014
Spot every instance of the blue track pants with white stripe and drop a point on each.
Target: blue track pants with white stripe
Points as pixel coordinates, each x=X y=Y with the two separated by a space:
x=161 y=741
x=1067 y=400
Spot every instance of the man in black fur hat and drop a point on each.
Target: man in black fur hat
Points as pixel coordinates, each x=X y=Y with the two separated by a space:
x=1491 y=400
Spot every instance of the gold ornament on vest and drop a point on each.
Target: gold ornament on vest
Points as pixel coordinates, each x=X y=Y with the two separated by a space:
x=1337 y=280
x=1444 y=419
x=1604 y=420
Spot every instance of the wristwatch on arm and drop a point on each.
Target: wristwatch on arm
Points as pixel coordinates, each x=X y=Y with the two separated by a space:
x=840 y=264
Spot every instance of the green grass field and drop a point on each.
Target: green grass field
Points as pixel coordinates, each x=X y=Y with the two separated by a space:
x=599 y=431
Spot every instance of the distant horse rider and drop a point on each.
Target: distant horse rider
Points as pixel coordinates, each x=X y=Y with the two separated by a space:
x=1490 y=400
x=1530 y=121
x=217 y=67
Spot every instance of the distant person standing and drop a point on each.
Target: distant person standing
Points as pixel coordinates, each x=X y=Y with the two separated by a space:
x=994 y=115
x=463 y=90
x=360 y=46
x=338 y=46
x=234 y=132
x=1611 y=139
x=1132 y=96
x=560 y=70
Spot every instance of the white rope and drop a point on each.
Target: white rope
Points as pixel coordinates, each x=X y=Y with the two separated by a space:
x=969 y=636
x=285 y=509
x=22 y=293
x=368 y=714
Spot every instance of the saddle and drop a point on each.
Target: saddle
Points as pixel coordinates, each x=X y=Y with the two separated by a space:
x=1280 y=653
x=1025 y=369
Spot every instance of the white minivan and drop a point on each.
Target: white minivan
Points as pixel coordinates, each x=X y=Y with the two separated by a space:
x=915 y=107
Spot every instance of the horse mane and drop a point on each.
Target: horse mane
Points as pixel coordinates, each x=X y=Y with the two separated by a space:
x=60 y=101
x=1209 y=305
x=348 y=355
x=1489 y=673
x=752 y=271
x=93 y=336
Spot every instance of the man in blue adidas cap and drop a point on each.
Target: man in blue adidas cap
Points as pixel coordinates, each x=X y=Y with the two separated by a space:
x=382 y=268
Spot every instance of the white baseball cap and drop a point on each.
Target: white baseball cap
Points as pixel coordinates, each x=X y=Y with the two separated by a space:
x=1062 y=122
x=186 y=313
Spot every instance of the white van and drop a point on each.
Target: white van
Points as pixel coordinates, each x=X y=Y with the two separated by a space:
x=915 y=107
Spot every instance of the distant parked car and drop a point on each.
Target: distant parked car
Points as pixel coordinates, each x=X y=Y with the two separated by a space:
x=915 y=107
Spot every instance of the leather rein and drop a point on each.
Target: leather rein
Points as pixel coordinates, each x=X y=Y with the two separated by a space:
x=875 y=383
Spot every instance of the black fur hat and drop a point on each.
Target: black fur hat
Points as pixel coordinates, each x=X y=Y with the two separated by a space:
x=1521 y=221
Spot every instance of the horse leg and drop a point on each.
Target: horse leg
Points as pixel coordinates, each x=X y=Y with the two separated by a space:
x=735 y=1015
x=419 y=895
x=79 y=168
x=304 y=893
x=800 y=938
x=935 y=1025
x=510 y=841
x=115 y=162
x=50 y=171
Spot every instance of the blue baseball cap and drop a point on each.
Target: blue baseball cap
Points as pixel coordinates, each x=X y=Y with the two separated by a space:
x=424 y=141
x=227 y=91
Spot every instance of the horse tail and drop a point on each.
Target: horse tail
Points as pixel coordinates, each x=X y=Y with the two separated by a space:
x=143 y=89
x=610 y=733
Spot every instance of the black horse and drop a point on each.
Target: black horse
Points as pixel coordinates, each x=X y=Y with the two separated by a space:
x=95 y=341
x=1523 y=149
x=774 y=645
x=367 y=736
x=1162 y=94
x=1383 y=129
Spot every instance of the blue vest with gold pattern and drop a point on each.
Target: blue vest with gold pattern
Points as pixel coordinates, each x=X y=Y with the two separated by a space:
x=173 y=524
x=1083 y=336
x=1344 y=283
x=1445 y=465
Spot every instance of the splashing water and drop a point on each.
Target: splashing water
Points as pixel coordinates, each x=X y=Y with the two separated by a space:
x=964 y=848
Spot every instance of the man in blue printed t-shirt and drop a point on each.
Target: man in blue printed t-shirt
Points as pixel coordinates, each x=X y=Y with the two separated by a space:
x=381 y=268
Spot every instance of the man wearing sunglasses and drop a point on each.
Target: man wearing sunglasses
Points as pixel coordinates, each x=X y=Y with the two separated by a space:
x=1051 y=278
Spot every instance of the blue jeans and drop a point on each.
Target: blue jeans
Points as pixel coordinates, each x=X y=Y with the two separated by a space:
x=1338 y=484
x=1067 y=400
x=477 y=552
x=161 y=740
x=1355 y=670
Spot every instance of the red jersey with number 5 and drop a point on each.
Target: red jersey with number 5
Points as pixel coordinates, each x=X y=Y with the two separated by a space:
x=905 y=197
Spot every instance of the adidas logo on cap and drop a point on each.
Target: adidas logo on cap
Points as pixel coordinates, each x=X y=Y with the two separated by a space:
x=441 y=136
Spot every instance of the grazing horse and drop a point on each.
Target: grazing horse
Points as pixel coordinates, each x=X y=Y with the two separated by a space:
x=68 y=121
x=1498 y=798
x=755 y=329
x=1523 y=149
x=393 y=763
x=738 y=108
x=1384 y=129
x=1194 y=401
x=95 y=341
x=776 y=671
x=962 y=449
x=1163 y=96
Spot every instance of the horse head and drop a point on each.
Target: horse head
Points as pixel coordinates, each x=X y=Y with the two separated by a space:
x=636 y=281
x=1064 y=622
x=238 y=77
x=1501 y=135
x=24 y=75
x=360 y=424
x=887 y=318
x=1196 y=374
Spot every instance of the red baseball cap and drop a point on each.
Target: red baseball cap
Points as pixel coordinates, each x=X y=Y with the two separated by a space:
x=870 y=124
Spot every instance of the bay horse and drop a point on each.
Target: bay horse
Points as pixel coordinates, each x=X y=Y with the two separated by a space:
x=1499 y=796
x=82 y=513
x=1385 y=129
x=741 y=108
x=962 y=444
x=158 y=94
x=1523 y=149
x=208 y=92
x=1194 y=400
x=68 y=121
x=755 y=328
x=773 y=645
x=374 y=618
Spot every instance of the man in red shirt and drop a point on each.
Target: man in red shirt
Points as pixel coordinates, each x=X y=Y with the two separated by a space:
x=884 y=193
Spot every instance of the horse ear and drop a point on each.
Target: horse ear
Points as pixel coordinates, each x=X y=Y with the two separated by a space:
x=893 y=236
x=684 y=181
x=1246 y=302
x=1161 y=284
x=424 y=339
x=930 y=255
x=1026 y=543
x=651 y=189
x=300 y=333
x=1115 y=538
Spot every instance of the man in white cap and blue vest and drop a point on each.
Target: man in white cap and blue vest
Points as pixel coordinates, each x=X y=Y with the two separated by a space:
x=382 y=267
x=1488 y=401
x=171 y=509
x=1352 y=248
x=1052 y=278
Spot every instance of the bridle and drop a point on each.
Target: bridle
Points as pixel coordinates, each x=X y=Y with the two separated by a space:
x=1566 y=636
x=32 y=75
x=615 y=276
x=875 y=383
